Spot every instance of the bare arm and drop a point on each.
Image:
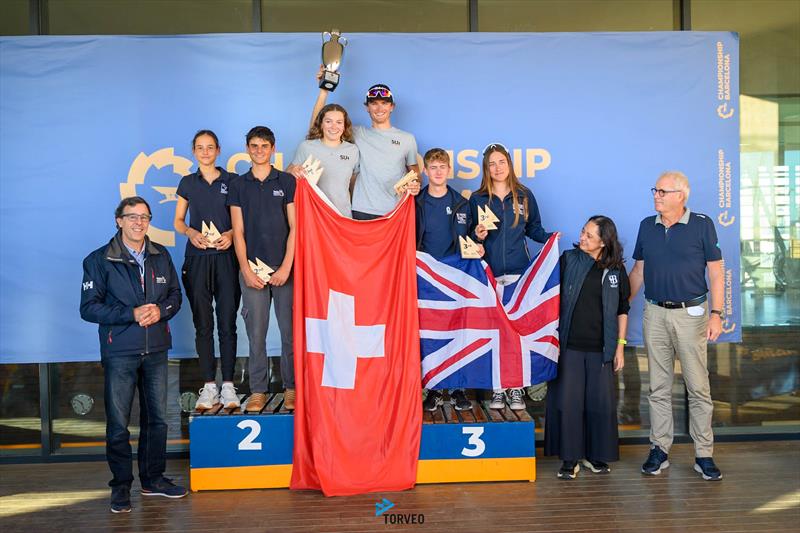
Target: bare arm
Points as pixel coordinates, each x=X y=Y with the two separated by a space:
x=636 y=278
x=717 y=279
x=197 y=238
x=282 y=274
x=619 y=356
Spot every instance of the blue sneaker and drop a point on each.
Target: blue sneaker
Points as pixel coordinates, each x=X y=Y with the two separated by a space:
x=164 y=487
x=656 y=461
x=706 y=467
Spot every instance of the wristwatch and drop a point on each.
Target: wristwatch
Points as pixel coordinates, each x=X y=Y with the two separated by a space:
x=718 y=312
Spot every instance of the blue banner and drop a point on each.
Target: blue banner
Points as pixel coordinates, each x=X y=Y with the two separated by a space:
x=591 y=119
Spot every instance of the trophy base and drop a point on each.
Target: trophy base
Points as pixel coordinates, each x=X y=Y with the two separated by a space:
x=329 y=80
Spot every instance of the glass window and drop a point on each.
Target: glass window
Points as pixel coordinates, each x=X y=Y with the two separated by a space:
x=78 y=407
x=755 y=383
x=365 y=15
x=100 y=17
x=575 y=15
x=15 y=19
x=20 y=422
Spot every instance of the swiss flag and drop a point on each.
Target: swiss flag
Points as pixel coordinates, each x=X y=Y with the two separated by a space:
x=358 y=416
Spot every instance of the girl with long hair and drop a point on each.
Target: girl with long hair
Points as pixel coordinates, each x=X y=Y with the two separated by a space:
x=507 y=247
x=329 y=140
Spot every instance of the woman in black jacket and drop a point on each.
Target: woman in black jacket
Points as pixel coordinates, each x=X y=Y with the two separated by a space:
x=581 y=415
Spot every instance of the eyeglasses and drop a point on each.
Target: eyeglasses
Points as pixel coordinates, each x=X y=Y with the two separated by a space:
x=379 y=92
x=494 y=147
x=661 y=193
x=132 y=217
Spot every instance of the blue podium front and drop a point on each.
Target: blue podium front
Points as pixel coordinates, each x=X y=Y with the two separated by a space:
x=241 y=451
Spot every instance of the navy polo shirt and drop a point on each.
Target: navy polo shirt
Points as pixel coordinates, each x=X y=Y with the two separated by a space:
x=437 y=239
x=263 y=204
x=675 y=258
x=207 y=202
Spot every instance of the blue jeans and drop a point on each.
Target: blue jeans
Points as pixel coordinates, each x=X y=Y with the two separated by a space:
x=123 y=376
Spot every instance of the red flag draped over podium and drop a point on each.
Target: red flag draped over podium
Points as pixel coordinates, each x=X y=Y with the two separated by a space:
x=358 y=417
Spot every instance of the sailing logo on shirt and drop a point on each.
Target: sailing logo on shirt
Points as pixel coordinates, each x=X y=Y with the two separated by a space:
x=461 y=218
x=344 y=157
x=394 y=141
x=612 y=279
x=277 y=192
x=223 y=188
x=449 y=211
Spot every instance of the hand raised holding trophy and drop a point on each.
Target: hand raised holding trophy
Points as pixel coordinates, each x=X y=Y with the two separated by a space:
x=332 y=51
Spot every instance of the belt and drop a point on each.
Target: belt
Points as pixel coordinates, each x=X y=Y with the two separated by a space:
x=679 y=305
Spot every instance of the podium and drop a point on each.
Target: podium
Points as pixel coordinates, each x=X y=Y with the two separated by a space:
x=236 y=450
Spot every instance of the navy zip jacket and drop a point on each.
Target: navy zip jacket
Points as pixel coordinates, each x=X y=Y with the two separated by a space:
x=112 y=288
x=575 y=265
x=506 y=249
x=460 y=220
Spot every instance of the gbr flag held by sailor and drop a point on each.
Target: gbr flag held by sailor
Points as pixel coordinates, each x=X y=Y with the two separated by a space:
x=476 y=333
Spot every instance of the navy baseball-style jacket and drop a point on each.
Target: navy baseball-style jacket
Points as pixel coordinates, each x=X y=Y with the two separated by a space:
x=506 y=249
x=460 y=221
x=112 y=287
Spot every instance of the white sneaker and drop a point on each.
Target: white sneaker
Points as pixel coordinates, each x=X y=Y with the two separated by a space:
x=516 y=399
x=498 y=400
x=209 y=397
x=230 y=399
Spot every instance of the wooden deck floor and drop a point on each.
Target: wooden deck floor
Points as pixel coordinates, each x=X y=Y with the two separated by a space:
x=760 y=492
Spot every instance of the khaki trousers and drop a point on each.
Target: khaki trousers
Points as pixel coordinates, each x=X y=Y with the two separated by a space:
x=668 y=332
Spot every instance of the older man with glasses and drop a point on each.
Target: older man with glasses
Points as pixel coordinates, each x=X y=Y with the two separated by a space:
x=673 y=250
x=130 y=288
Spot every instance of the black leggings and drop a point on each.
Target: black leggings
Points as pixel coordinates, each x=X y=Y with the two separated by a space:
x=209 y=278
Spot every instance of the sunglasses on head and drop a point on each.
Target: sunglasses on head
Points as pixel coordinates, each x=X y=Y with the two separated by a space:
x=493 y=147
x=379 y=92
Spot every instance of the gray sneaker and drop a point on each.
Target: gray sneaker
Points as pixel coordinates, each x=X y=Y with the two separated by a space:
x=229 y=398
x=209 y=397
x=498 y=400
x=516 y=399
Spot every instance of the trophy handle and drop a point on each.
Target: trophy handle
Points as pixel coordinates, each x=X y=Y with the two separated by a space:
x=324 y=34
x=343 y=40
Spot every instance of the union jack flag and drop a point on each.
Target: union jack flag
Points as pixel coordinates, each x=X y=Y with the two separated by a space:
x=478 y=333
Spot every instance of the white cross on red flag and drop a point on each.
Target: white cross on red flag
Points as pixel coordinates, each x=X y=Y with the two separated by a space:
x=358 y=416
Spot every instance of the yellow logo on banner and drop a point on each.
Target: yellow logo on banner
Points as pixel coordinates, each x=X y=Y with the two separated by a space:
x=137 y=174
x=724 y=112
x=724 y=220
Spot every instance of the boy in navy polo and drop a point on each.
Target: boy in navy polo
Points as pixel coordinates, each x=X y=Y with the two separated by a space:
x=442 y=216
x=263 y=218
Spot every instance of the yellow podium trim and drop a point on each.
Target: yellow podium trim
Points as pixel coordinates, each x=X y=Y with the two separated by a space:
x=473 y=470
x=241 y=477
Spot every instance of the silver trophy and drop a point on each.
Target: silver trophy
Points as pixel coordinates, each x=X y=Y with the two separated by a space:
x=332 y=51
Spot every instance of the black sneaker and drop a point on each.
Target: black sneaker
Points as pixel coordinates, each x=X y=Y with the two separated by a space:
x=706 y=467
x=598 y=467
x=569 y=470
x=164 y=487
x=433 y=401
x=121 y=499
x=459 y=400
x=656 y=461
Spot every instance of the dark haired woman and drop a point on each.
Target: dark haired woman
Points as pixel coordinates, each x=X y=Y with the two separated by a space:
x=581 y=414
x=506 y=247
x=330 y=139
x=210 y=272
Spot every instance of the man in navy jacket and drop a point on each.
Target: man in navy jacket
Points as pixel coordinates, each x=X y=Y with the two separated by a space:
x=130 y=288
